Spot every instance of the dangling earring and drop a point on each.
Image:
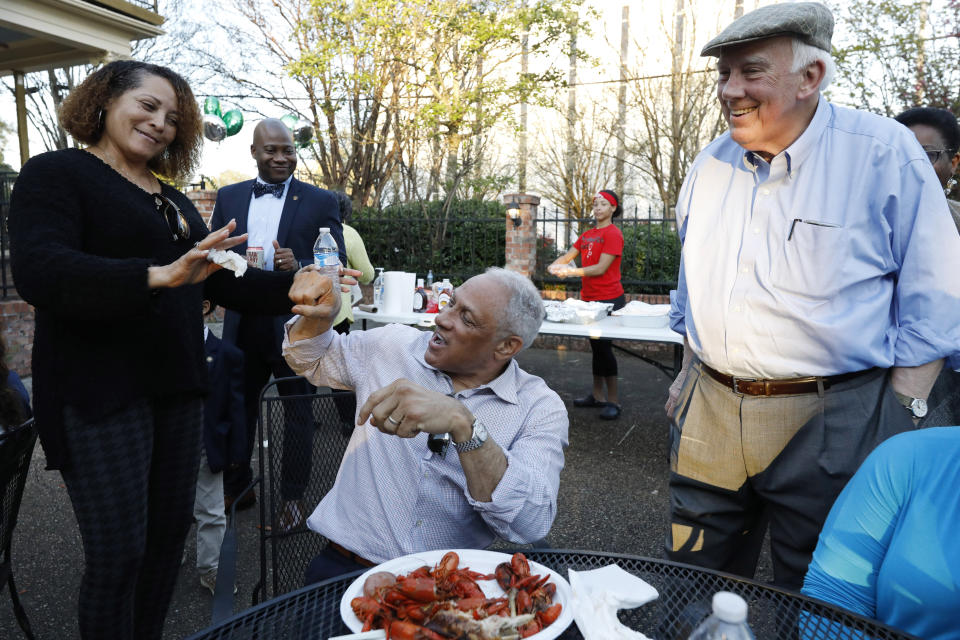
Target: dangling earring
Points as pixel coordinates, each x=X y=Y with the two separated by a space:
x=950 y=184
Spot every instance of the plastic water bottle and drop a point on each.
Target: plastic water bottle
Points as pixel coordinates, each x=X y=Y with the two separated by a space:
x=325 y=255
x=728 y=620
x=378 y=288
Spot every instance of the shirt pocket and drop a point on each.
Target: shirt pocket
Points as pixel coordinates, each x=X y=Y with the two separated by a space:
x=810 y=260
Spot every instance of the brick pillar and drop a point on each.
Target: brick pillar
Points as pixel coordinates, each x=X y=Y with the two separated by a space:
x=203 y=200
x=521 y=241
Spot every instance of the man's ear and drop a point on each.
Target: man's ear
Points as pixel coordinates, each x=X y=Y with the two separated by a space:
x=508 y=347
x=813 y=75
x=253 y=151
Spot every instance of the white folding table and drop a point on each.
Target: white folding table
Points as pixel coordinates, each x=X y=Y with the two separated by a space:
x=608 y=327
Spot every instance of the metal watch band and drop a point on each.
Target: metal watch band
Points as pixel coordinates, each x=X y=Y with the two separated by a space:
x=478 y=437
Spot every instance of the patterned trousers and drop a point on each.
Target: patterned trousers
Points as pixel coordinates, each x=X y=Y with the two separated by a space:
x=131 y=480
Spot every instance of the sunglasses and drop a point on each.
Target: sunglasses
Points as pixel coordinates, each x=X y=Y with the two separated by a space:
x=176 y=221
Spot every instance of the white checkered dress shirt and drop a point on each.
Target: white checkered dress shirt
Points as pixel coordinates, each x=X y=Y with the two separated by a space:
x=393 y=496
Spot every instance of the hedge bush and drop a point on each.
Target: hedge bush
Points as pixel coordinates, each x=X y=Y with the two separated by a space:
x=415 y=237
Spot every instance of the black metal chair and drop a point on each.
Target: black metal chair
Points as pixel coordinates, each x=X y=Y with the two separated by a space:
x=16 y=450
x=302 y=441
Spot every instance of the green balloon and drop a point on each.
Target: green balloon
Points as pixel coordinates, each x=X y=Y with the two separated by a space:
x=234 y=121
x=302 y=134
x=212 y=105
x=289 y=119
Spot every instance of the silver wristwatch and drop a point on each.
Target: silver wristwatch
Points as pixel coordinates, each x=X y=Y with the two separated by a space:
x=477 y=438
x=916 y=406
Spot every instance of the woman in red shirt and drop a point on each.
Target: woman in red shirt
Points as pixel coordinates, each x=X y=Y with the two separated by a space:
x=601 y=249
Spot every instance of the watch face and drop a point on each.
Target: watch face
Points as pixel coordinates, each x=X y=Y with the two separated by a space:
x=479 y=431
x=919 y=407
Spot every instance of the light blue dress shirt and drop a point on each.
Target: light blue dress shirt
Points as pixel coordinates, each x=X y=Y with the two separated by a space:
x=838 y=255
x=393 y=496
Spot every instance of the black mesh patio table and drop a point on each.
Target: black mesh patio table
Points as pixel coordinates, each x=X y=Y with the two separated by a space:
x=313 y=613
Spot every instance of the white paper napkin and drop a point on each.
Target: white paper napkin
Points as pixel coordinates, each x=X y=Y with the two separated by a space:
x=229 y=260
x=599 y=593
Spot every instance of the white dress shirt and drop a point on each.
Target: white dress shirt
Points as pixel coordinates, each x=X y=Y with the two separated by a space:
x=263 y=221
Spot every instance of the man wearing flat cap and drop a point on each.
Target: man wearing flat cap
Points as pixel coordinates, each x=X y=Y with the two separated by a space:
x=819 y=290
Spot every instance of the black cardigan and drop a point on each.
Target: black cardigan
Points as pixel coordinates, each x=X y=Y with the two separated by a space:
x=82 y=237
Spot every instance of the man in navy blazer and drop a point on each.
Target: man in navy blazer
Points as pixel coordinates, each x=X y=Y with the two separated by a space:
x=283 y=216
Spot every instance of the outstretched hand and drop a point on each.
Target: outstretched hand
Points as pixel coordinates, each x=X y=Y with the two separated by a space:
x=193 y=266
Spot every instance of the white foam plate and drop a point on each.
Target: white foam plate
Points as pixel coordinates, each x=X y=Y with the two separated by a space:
x=475 y=560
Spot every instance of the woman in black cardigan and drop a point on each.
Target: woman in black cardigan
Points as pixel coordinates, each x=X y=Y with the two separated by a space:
x=114 y=261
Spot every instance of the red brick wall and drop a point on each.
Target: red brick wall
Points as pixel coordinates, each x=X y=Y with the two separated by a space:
x=17 y=318
x=204 y=200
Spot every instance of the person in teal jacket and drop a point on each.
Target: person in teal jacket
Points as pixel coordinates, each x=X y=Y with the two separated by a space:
x=888 y=550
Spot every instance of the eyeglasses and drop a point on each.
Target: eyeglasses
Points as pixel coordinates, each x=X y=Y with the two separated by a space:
x=176 y=221
x=935 y=154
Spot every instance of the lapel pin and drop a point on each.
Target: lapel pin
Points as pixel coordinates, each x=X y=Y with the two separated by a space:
x=296 y=197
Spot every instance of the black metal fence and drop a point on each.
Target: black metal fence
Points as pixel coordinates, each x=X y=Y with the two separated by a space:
x=7 y=290
x=651 y=248
x=419 y=239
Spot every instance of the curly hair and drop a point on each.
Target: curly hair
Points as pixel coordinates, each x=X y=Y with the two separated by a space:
x=82 y=113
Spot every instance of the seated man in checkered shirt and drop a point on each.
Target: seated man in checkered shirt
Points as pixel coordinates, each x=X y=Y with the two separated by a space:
x=396 y=493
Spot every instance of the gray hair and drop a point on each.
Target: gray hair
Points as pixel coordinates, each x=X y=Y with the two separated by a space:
x=524 y=313
x=806 y=54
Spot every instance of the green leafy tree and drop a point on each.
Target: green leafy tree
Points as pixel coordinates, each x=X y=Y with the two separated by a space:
x=894 y=54
x=402 y=95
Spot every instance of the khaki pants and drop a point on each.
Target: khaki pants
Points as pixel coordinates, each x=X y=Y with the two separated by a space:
x=740 y=463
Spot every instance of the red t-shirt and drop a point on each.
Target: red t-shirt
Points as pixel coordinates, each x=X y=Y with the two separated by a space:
x=590 y=245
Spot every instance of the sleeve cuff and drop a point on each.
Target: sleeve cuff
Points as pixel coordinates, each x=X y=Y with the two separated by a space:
x=303 y=355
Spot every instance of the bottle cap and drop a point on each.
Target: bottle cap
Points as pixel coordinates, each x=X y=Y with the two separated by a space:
x=729 y=607
x=324 y=229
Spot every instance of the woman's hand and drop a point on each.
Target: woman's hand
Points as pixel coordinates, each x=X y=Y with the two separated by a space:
x=193 y=266
x=566 y=271
x=559 y=269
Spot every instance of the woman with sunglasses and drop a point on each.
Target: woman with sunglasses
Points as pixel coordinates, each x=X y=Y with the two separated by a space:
x=114 y=261
x=602 y=249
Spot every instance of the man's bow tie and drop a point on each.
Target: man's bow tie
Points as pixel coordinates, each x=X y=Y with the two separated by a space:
x=260 y=188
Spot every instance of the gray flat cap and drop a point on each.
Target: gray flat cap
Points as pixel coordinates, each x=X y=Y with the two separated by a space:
x=812 y=22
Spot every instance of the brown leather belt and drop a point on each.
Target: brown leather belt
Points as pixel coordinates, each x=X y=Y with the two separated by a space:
x=350 y=554
x=781 y=387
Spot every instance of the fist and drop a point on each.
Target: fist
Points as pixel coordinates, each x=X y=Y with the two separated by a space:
x=314 y=294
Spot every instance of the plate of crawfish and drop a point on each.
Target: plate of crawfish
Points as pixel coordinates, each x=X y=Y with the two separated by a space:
x=465 y=593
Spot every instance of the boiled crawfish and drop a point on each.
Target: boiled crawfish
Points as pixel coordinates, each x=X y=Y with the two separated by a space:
x=438 y=603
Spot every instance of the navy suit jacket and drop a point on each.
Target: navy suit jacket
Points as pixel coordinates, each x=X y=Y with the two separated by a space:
x=224 y=420
x=305 y=210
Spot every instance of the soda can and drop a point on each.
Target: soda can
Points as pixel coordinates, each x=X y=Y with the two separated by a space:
x=255 y=257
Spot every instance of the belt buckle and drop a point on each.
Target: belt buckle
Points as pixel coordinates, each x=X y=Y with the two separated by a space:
x=737 y=381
